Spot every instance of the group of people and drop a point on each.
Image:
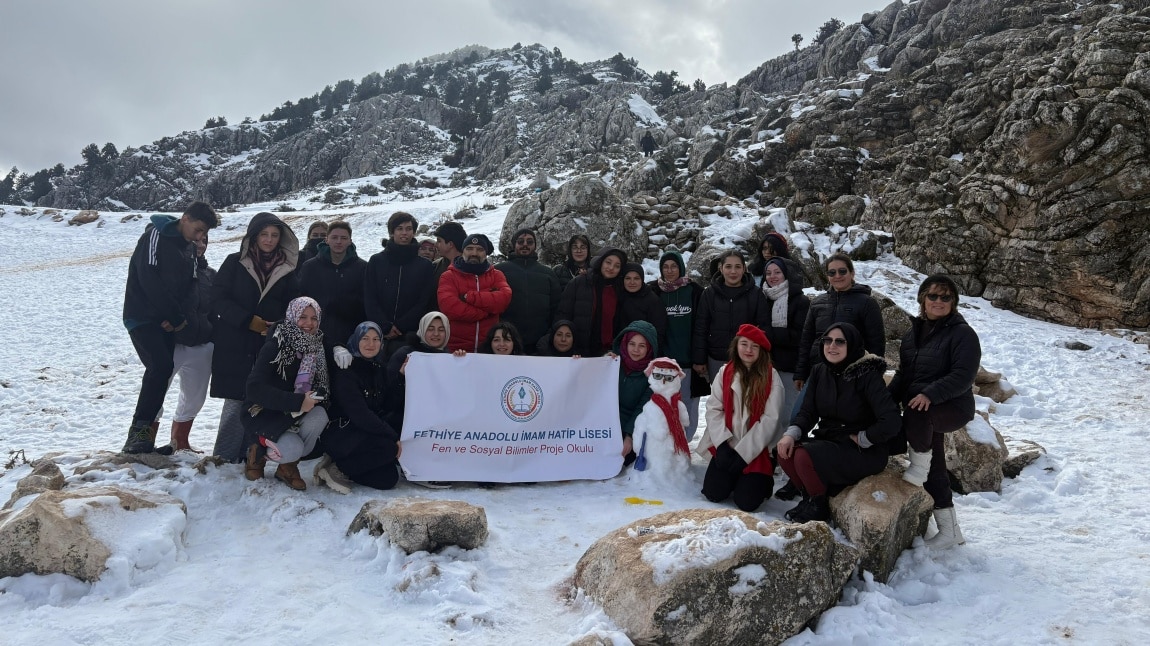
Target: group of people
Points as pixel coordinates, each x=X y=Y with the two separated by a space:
x=307 y=348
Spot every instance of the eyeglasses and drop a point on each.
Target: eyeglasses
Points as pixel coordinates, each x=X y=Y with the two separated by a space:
x=945 y=298
x=663 y=378
x=525 y=242
x=838 y=272
x=828 y=340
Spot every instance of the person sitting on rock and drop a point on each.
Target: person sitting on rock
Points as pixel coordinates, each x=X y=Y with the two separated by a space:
x=839 y=435
x=938 y=361
x=744 y=422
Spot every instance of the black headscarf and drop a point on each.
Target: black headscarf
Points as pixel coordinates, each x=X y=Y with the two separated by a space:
x=855 y=347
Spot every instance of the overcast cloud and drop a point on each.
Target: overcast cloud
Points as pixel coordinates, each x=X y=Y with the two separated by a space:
x=132 y=71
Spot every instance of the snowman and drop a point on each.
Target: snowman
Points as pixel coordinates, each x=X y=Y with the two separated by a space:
x=660 y=440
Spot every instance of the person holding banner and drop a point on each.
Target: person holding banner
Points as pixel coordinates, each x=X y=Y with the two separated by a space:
x=431 y=336
x=636 y=346
x=284 y=390
x=503 y=339
x=360 y=442
x=744 y=422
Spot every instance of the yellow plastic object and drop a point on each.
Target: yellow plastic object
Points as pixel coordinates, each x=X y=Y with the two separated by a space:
x=640 y=501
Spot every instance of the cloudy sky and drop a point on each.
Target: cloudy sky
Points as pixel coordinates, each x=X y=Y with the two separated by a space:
x=132 y=71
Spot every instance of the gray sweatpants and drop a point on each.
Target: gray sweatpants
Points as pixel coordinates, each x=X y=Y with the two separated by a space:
x=300 y=439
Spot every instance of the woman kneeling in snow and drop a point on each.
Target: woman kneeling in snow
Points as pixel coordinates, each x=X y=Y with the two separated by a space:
x=284 y=390
x=744 y=421
x=363 y=446
x=848 y=401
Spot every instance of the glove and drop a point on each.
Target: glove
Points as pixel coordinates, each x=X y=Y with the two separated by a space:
x=258 y=325
x=342 y=356
x=728 y=459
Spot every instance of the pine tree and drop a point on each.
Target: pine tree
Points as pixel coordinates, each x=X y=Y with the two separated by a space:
x=109 y=150
x=827 y=30
x=545 y=81
x=91 y=155
x=8 y=185
x=797 y=39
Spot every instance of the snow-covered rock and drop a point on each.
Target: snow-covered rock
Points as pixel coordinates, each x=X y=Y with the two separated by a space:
x=714 y=576
x=975 y=454
x=45 y=476
x=418 y=524
x=76 y=532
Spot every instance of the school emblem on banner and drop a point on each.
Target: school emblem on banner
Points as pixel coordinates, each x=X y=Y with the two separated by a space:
x=522 y=399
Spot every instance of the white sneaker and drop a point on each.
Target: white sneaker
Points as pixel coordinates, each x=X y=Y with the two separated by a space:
x=328 y=473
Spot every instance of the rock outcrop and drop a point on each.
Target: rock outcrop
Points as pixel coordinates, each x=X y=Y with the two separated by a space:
x=714 y=576
x=975 y=455
x=418 y=524
x=52 y=534
x=881 y=515
x=45 y=476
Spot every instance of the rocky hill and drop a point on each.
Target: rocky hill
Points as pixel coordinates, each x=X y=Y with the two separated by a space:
x=1001 y=141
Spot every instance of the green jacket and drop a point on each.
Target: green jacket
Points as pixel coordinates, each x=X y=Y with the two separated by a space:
x=634 y=391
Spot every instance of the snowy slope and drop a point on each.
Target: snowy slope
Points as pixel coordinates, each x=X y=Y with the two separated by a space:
x=1061 y=556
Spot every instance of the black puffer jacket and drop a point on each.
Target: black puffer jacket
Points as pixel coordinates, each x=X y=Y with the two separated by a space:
x=198 y=307
x=398 y=288
x=853 y=400
x=236 y=298
x=643 y=305
x=339 y=291
x=721 y=311
x=579 y=301
x=535 y=295
x=938 y=359
x=785 y=340
x=854 y=306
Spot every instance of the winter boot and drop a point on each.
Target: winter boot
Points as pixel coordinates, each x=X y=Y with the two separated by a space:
x=788 y=491
x=812 y=508
x=141 y=437
x=919 y=467
x=288 y=473
x=255 y=463
x=948 y=534
x=179 y=441
x=799 y=510
x=327 y=472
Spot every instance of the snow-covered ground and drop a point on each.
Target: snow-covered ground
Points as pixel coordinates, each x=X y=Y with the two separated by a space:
x=1062 y=555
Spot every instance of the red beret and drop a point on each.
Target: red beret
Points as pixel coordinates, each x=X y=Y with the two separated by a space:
x=753 y=333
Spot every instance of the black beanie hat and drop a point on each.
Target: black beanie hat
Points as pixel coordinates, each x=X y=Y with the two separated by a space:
x=452 y=232
x=481 y=240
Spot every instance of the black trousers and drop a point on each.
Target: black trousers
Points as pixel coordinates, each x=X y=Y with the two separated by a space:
x=748 y=490
x=155 y=347
x=925 y=431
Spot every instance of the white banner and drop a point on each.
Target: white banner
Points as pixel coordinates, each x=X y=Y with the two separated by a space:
x=488 y=418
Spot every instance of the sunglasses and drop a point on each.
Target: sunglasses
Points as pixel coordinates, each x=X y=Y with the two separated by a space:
x=945 y=298
x=831 y=340
x=838 y=272
x=664 y=378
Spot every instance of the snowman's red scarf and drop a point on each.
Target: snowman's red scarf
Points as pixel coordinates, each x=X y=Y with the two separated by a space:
x=674 y=424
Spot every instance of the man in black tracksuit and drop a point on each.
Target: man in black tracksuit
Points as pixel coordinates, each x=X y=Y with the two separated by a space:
x=161 y=274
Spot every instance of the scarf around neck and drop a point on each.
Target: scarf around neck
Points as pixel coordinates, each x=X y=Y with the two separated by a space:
x=758 y=402
x=778 y=296
x=674 y=284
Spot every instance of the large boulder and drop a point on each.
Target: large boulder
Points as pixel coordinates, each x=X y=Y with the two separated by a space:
x=975 y=455
x=714 y=576
x=881 y=515
x=992 y=385
x=75 y=532
x=585 y=205
x=422 y=525
x=45 y=476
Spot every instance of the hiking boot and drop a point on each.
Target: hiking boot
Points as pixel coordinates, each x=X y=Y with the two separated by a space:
x=255 y=462
x=813 y=508
x=288 y=473
x=141 y=438
x=327 y=472
x=179 y=441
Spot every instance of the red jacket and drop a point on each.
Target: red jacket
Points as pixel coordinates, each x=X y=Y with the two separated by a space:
x=472 y=304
